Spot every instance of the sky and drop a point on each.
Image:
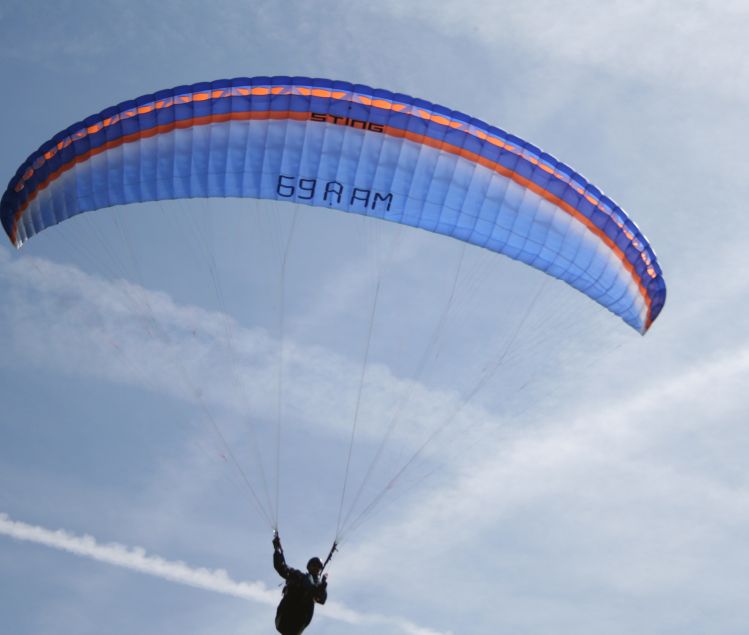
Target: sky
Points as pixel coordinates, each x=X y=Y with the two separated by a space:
x=591 y=480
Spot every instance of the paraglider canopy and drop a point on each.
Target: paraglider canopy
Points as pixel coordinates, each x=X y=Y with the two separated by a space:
x=350 y=148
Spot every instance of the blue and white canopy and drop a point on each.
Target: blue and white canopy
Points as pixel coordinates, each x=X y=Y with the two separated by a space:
x=351 y=148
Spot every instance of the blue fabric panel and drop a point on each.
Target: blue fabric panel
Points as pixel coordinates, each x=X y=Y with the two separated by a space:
x=334 y=158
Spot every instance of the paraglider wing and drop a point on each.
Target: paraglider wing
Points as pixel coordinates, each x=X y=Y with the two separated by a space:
x=351 y=148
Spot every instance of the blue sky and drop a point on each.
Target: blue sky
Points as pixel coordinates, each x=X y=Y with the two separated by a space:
x=596 y=482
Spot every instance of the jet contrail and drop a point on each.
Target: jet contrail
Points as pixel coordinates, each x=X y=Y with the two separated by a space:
x=217 y=580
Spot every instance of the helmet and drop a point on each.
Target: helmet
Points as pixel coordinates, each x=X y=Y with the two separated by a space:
x=314 y=561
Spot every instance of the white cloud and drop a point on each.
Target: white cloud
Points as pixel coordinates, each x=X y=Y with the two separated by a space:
x=79 y=323
x=136 y=559
x=672 y=43
x=625 y=511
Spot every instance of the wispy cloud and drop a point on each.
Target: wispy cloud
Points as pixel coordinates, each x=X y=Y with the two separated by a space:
x=136 y=559
x=66 y=319
x=215 y=580
x=648 y=40
x=616 y=469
